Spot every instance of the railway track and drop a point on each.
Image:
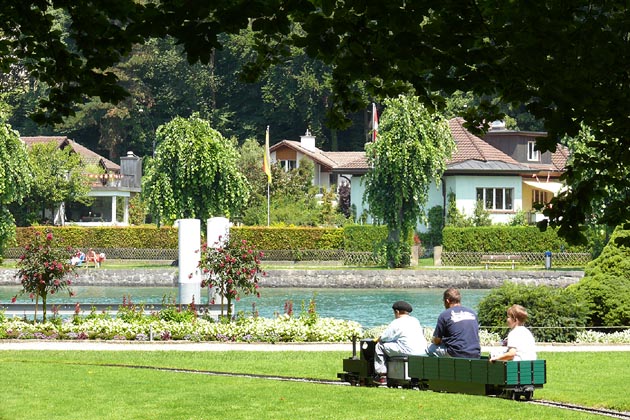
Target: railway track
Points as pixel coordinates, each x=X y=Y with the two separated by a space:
x=565 y=406
x=600 y=411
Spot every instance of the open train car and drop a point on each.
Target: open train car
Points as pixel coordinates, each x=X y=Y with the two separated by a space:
x=514 y=380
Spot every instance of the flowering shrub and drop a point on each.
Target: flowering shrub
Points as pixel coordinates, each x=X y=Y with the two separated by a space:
x=281 y=329
x=44 y=269
x=232 y=270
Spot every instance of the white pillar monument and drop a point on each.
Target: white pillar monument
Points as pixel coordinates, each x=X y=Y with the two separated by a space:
x=189 y=236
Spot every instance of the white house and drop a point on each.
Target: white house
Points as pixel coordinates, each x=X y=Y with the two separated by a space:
x=111 y=190
x=503 y=170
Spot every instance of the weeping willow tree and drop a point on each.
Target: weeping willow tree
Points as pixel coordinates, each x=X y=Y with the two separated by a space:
x=408 y=156
x=15 y=180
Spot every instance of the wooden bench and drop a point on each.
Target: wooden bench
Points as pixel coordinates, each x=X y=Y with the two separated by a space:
x=500 y=259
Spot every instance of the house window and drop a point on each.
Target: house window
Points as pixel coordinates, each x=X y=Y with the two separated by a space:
x=532 y=153
x=287 y=165
x=496 y=198
x=539 y=197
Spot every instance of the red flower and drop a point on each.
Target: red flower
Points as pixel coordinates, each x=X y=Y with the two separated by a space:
x=13 y=299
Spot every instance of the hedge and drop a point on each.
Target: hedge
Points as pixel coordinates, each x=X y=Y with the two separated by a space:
x=147 y=236
x=497 y=239
x=354 y=238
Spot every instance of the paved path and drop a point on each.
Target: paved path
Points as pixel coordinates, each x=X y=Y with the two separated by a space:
x=187 y=346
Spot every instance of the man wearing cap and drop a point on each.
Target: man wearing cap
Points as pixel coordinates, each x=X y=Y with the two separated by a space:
x=402 y=337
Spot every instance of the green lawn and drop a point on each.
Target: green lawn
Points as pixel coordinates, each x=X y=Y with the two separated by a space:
x=78 y=385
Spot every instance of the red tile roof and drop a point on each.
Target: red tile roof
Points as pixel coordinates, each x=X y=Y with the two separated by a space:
x=87 y=155
x=471 y=147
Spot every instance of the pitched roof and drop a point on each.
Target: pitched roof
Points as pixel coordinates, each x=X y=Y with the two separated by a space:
x=87 y=155
x=471 y=147
x=472 y=154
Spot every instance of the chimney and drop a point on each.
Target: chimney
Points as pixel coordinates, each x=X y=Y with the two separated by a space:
x=307 y=141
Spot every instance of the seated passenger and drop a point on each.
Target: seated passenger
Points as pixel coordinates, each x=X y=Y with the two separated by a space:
x=520 y=341
x=402 y=337
x=457 y=331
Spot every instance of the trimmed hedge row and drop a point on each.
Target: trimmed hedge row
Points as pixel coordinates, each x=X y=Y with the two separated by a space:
x=353 y=238
x=269 y=238
x=499 y=239
x=361 y=238
x=148 y=236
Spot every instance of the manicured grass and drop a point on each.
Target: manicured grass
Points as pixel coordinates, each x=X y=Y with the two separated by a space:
x=76 y=384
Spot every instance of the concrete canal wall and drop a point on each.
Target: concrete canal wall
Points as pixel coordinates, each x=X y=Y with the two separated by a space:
x=465 y=279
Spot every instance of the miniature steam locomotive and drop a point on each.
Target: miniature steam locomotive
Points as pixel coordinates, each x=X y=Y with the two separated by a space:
x=514 y=379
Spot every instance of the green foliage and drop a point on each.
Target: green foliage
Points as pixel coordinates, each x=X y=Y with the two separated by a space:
x=15 y=180
x=194 y=174
x=599 y=179
x=519 y=219
x=410 y=153
x=58 y=176
x=435 y=218
x=267 y=238
x=147 y=236
x=614 y=259
x=504 y=239
x=44 y=269
x=605 y=295
x=606 y=284
x=481 y=216
x=363 y=237
x=454 y=217
x=555 y=314
x=137 y=210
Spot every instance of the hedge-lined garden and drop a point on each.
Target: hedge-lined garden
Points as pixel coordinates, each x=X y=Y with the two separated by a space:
x=365 y=238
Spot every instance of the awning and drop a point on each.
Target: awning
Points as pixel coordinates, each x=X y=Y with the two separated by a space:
x=553 y=187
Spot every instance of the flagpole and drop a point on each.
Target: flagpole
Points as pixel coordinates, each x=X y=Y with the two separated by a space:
x=267 y=168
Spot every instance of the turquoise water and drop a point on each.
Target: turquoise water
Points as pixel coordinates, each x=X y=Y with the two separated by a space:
x=369 y=307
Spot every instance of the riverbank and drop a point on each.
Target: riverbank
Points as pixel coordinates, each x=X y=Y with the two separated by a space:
x=359 y=279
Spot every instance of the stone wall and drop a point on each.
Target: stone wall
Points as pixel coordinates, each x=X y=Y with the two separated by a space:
x=464 y=279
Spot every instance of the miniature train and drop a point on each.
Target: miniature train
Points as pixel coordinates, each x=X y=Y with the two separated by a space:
x=513 y=380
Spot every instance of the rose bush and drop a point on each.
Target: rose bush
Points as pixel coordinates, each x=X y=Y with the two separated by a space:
x=231 y=269
x=44 y=268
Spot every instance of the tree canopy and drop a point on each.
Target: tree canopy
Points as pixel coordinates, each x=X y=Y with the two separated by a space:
x=15 y=179
x=194 y=173
x=58 y=176
x=409 y=153
x=566 y=63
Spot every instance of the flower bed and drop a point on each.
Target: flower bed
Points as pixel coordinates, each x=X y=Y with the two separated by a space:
x=281 y=329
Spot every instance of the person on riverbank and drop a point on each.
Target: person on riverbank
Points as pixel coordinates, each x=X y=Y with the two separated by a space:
x=520 y=341
x=457 y=331
x=402 y=337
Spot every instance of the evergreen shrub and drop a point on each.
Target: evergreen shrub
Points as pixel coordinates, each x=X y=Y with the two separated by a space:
x=606 y=284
